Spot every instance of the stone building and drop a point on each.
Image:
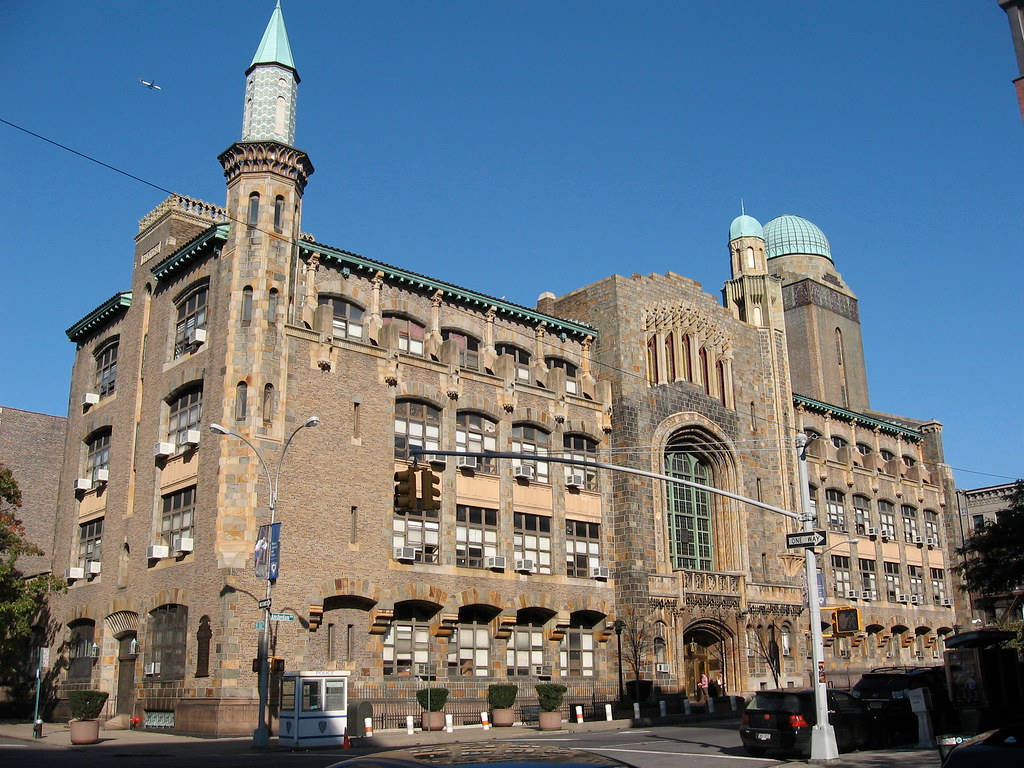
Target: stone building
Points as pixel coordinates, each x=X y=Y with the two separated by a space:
x=236 y=317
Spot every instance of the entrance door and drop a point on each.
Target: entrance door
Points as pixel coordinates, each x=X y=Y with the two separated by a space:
x=703 y=656
x=126 y=655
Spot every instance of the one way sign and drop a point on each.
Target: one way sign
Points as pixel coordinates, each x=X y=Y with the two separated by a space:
x=805 y=539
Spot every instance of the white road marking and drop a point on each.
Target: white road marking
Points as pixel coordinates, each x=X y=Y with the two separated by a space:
x=677 y=754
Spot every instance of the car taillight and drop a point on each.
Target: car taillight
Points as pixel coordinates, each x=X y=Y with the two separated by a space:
x=745 y=719
x=798 y=721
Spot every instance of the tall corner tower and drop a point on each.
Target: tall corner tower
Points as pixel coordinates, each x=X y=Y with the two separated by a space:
x=752 y=295
x=826 y=352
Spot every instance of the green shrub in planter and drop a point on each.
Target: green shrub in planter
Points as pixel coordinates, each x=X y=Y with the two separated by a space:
x=502 y=695
x=550 y=696
x=86 y=705
x=437 y=698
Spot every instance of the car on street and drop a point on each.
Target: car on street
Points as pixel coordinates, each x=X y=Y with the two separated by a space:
x=1003 y=747
x=780 y=721
x=884 y=691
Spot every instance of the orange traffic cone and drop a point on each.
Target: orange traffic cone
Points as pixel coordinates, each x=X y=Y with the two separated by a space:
x=345 y=744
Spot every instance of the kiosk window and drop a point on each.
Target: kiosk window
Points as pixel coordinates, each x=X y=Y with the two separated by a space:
x=310 y=695
x=288 y=694
x=334 y=695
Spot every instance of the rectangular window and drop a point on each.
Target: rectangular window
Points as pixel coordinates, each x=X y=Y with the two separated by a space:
x=887 y=519
x=167 y=638
x=80 y=651
x=476 y=536
x=185 y=412
x=525 y=651
x=836 y=510
x=99 y=456
x=177 y=518
x=418 y=530
x=106 y=370
x=191 y=317
x=90 y=539
x=931 y=524
x=915 y=576
x=288 y=694
x=532 y=540
x=582 y=548
x=475 y=433
x=910 y=531
x=938 y=585
x=406 y=643
x=527 y=439
x=861 y=514
x=841 y=575
x=892 y=580
x=867 y=576
x=580 y=448
x=469 y=650
x=576 y=653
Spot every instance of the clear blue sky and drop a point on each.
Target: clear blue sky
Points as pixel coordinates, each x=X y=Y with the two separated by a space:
x=522 y=147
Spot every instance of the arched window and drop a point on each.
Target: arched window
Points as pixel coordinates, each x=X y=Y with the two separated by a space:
x=529 y=439
x=246 y=314
x=410 y=334
x=521 y=357
x=241 y=401
x=652 y=359
x=686 y=369
x=689 y=511
x=203 y=636
x=582 y=448
x=254 y=211
x=475 y=432
x=80 y=650
x=720 y=375
x=749 y=253
x=97 y=448
x=705 y=371
x=168 y=626
x=417 y=425
x=660 y=646
x=468 y=346
x=272 y=306
x=786 y=640
x=106 y=368
x=268 y=403
x=836 y=510
x=191 y=318
x=571 y=372
x=184 y=412
x=861 y=514
x=910 y=532
x=469 y=649
x=670 y=357
x=278 y=213
x=840 y=357
x=347 y=317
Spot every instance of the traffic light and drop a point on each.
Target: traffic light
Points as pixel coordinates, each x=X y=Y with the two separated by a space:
x=276 y=664
x=430 y=491
x=405 y=489
x=846 y=621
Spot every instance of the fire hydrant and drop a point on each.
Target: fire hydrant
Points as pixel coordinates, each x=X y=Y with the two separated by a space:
x=133 y=722
x=37 y=729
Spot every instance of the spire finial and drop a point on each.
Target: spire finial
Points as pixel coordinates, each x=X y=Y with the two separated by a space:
x=742 y=212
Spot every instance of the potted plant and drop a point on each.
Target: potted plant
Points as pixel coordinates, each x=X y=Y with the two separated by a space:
x=501 y=697
x=432 y=700
x=85 y=708
x=550 y=697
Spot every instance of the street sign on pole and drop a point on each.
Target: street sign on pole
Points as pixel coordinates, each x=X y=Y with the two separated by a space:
x=282 y=617
x=264 y=604
x=805 y=539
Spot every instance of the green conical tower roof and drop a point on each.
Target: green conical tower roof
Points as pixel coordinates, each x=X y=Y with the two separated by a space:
x=274 y=47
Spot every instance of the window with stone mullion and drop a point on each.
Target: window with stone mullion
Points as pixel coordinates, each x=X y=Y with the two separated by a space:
x=531 y=440
x=417 y=425
x=938 y=585
x=168 y=629
x=582 y=547
x=841 y=575
x=410 y=334
x=476 y=535
x=99 y=455
x=581 y=448
x=689 y=514
x=915 y=578
x=475 y=433
x=468 y=346
x=892 y=580
x=185 y=412
x=861 y=514
x=106 y=370
x=417 y=529
x=887 y=519
x=525 y=651
x=191 y=316
x=469 y=651
x=532 y=540
x=576 y=653
x=868 y=578
x=406 y=644
x=346 y=318
x=836 y=510
x=178 y=515
x=90 y=540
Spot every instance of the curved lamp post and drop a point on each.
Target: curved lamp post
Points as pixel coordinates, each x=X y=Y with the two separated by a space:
x=261 y=736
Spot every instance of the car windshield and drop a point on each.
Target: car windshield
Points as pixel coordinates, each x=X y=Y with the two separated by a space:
x=775 y=702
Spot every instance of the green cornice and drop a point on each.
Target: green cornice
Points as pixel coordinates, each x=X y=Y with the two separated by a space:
x=856 y=418
x=115 y=305
x=198 y=246
x=471 y=299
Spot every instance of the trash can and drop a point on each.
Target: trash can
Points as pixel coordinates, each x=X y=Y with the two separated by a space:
x=358 y=711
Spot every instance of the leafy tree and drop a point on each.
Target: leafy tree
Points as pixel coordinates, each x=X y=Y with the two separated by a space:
x=992 y=564
x=22 y=600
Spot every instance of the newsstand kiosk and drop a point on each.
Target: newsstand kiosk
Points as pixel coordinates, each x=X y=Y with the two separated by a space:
x=314 y=708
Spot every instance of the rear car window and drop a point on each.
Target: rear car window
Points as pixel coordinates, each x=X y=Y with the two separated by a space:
x=775 y=702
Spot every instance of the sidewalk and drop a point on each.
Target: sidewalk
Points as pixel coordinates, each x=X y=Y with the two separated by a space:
x=58 y=736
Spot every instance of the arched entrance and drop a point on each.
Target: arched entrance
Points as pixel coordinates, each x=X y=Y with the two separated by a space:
x=706 y=652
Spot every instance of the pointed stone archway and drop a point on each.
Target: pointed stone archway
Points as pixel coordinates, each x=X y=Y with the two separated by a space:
x=709 y=648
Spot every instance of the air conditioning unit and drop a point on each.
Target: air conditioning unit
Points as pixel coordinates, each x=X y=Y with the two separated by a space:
x=852 y=594
x=662 y=668
x=871 y=531
x=948 y=602
x=102 y=476
x=901 y=598
x=197 y=337
x=932 y=541
x=83 y=484
x=184 y=544
x=90 y=398
x=867 y=594
x=843 y=653
x=405 y=554
x=496 y=563
x=93 y=567
x=886 y=536
x=919 y=540
x=576 y=480
x=600 y=572
x=157 y=551
x=192 y=437
x=74 y=573
x=152 y=668
x=523 y=472
x=750 y=653
x=163 y=450
x=915 y=599
x=525 y=566
x=542 y=670
x=466 y=462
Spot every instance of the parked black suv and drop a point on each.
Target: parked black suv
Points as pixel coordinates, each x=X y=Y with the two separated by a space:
x=884 y=689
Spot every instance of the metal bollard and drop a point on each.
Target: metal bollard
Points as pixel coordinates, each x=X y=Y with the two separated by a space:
x=368 y=726
x=687 y=707
x=636 y=710
x=732 y=702
x=711 y=705
x=663 y=708
x=409 y=727
x=485 y=720
x=608 y=712
x=579 y=714
x=449 y=724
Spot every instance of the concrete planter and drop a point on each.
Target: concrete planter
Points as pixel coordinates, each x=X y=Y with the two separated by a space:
x=84 y=731
x=503 y=717
x=550 y=721
x=433 y=721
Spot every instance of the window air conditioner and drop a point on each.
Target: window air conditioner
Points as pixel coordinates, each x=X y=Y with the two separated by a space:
x=525 y=566
x=901 y=598
x=467 y=462
x=192 y=437
x=662 y=668
x=947 y=602
x=600 y=572
x=197 y=337
x=405 y=554
x=852 y=594
x=750 y=653
x=523 y=472
x=93 y=567
x=919 y=540
x=102 y=476
x=867 y=594
x=152 y=667
x=932 y=541
x=576 y=480
x=542 y=670
x=74 y=573
x=915 y=599
x=83 y=484
x=157 y=551
x=871 y=531
x=163 y=450
x=183 y=544
x=886 y=536
x=90 y=398
x=495 y=563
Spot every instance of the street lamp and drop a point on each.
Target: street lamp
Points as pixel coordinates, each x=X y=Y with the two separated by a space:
x=618 y=626
x=261 y=736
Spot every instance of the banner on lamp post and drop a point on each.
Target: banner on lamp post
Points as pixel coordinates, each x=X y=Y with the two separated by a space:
x=267 y=553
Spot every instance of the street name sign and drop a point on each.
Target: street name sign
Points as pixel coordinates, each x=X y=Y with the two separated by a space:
x=805 y=539
x=282 y=617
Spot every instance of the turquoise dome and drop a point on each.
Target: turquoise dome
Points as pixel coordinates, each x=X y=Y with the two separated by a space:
x=793 y=234
x=745 y=226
